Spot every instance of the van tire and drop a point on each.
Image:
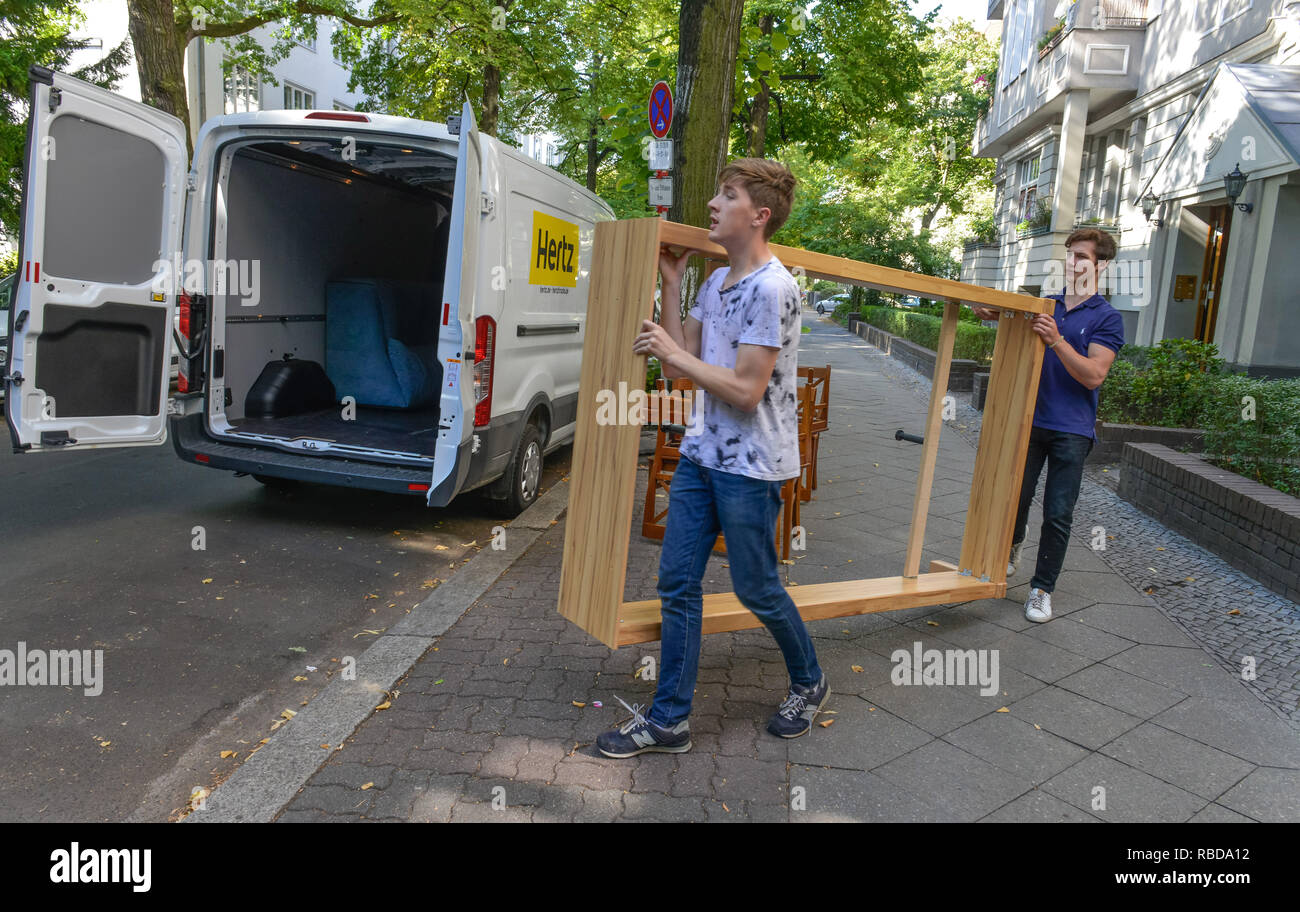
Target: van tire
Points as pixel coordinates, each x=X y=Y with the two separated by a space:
x=524 y=475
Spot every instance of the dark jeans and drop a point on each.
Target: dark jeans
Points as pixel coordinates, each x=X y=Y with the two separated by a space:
x=1064 y=454
x=703 y=502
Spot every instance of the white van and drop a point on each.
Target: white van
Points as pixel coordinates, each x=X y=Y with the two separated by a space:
x=357 y=299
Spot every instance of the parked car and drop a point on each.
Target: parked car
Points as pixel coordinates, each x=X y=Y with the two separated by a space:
x=380 y=302
x=829 y=304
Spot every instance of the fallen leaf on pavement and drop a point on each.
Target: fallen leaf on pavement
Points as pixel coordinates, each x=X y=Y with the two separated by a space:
x=1004 y=710
x=208 y=580
x=1234 y=611
x=384 y=705
x=367 y=786
x=856 y=668
x=827 y=724
x=300 y=677
x=577 y=704
x=933 y=623
x=225 y=755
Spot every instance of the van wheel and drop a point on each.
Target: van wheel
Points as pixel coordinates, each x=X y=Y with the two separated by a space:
x=524 y=475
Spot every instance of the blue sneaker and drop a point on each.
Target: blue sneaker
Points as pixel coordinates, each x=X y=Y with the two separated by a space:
x=639 y=735
x=795 y=717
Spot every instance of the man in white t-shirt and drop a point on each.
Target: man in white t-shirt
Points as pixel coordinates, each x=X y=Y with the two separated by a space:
x=740 y=346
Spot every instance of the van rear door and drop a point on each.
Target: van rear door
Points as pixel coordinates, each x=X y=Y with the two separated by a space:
x=456 y=339
x=97 y=277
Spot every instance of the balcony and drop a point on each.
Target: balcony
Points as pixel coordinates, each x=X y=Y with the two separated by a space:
x=1099 y=50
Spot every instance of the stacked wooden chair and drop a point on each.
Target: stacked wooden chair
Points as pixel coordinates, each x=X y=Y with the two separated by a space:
x=813 y=408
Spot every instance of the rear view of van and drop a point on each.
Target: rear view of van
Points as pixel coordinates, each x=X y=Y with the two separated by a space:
x=356 y=299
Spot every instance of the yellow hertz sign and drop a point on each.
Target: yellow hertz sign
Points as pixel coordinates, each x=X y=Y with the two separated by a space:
x=554 y=252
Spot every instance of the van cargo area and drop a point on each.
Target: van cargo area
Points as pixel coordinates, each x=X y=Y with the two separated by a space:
x=335 y=253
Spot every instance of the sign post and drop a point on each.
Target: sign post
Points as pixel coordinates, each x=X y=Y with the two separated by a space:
x=660 y=110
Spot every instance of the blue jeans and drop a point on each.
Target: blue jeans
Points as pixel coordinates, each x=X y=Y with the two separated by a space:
x=701 y=503
x=1064 y=454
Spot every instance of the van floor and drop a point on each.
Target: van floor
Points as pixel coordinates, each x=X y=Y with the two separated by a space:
x=398 y=430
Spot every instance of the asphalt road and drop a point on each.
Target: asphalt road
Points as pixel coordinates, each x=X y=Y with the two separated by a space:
x=201 y=647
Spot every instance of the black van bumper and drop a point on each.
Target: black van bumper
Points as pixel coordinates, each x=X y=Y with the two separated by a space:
x=192 y=444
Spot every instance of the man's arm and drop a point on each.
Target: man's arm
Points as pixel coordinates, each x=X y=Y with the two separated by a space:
x=1090 y=369
x=742 y=387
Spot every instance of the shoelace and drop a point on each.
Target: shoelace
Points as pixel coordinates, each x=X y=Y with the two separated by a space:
x=638 y=715
x=793 y=706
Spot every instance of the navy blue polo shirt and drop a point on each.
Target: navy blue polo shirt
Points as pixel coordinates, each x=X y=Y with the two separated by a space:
x=1065 y=404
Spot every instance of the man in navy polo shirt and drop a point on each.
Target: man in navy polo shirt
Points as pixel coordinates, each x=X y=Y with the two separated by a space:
x=1082 y=339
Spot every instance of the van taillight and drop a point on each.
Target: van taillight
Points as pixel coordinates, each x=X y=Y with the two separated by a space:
x=183 y=314
x=485 y=332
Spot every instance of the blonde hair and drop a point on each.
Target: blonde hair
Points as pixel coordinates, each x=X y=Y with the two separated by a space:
x=768 y=183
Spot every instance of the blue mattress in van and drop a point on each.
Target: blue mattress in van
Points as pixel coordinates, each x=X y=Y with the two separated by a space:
x=381 y=341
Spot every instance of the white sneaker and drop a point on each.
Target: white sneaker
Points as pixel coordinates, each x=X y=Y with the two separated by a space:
x=1014 y=560
x=1039 y=606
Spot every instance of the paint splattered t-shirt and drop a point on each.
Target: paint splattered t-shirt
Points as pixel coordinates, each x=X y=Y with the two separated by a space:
x=761 y=309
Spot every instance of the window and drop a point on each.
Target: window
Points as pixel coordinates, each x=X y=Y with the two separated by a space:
x=1029 y=171
x=243 y=91
x=297 y=98
x=1215 y=13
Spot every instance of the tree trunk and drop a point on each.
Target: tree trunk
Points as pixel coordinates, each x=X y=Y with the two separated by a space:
x=756 y=129
x=160 y=55
x=709 y=38
x=593 y=158
x=491 y=99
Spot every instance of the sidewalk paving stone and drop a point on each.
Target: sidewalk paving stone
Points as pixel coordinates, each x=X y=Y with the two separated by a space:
x=1121 y=696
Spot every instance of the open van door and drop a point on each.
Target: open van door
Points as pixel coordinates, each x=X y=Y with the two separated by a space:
x=456 y=345
x=97 y=275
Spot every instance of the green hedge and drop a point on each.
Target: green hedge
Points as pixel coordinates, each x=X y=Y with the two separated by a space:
x=1252 y=427
x=974 y=340
x=1165 y=386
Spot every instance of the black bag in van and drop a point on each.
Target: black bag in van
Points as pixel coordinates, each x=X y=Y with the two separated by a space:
x=289 y=387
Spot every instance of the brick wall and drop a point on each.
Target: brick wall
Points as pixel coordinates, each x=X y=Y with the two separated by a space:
x=1253 y=527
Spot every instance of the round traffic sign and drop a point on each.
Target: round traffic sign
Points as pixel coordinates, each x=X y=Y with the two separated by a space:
x=661 y=109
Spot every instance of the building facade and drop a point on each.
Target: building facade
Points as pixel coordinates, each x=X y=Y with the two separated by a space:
x=310 y=77
x=1128 y=115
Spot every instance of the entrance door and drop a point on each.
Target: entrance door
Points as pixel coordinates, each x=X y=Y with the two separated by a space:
x=1216 y=251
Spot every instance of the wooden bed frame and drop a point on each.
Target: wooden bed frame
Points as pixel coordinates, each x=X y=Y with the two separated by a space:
x=625 y=266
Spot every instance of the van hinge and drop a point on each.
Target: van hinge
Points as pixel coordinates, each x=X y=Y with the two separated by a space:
x=20 y=320
x=15 y=379
x=486 y=203
x=56 y=98
x=191 y=182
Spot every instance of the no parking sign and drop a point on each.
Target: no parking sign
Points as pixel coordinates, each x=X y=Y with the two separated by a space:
x=661 y=109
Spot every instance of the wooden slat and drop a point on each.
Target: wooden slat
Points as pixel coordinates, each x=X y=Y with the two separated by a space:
x=930 y=449
x=639 y=622
x=1004 y=440
x=882 y=278
x=626 y=258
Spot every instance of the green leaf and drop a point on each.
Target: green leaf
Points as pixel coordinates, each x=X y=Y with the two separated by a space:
x=753 y=34
x=619 y=133
x=764 y=61
x=779 y=42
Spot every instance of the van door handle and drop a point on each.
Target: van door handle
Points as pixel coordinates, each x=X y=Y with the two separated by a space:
x=546 y=329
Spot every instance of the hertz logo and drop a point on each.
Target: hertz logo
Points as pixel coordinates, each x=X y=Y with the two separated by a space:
x=554 y=259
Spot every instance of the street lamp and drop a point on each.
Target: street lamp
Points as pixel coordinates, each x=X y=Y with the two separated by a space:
x=1149 y=203
x=1233 y=184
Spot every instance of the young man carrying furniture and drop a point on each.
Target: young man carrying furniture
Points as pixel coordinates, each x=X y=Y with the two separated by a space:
x=1082 y=339
x=740 y=346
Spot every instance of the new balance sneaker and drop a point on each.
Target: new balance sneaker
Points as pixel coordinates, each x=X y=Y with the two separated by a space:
x=795 y=717
x=1039 y=606
x=639 y=735
x=1013 y=562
